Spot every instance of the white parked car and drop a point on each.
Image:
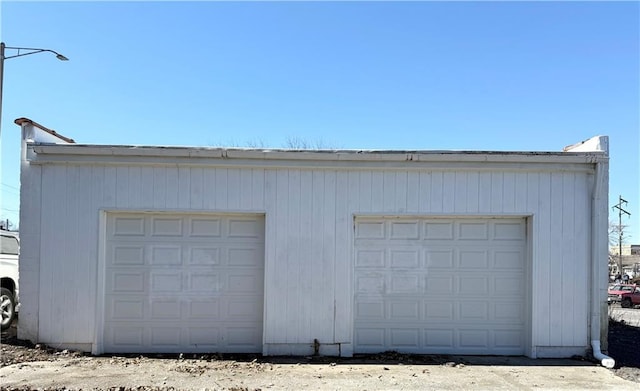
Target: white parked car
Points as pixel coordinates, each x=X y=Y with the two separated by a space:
x=9 y=250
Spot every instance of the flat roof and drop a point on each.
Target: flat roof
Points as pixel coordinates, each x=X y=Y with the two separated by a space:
x=589 y=151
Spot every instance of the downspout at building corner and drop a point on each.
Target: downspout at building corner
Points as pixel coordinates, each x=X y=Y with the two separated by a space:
x=599 y=241
x=599 y=254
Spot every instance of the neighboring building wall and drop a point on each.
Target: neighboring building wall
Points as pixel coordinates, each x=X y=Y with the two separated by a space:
x=309 y=234
x=627 y=249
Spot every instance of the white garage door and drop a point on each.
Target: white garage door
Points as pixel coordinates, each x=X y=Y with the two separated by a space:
x=177 y=283
x=452 y=286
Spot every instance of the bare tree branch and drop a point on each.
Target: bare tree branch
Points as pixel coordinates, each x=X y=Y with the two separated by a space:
x=294 y=142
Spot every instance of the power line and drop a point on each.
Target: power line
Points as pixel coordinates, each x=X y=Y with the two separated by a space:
x=9 y=186
x=10 y=189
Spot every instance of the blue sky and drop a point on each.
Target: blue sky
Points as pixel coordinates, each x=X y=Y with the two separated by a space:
x=415 y=75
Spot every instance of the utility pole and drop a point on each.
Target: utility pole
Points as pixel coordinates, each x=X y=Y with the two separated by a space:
x=618 y=206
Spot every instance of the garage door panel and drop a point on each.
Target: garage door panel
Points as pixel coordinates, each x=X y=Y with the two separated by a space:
x=439 y=259
x=404 y=338
x=472 y=285
x=179 y=283
x=244 y=228
x=472 y=231
x=246 y=308
x=509 y=231
x=440 y=285
x=204 y=282
x=404 y=258
x=199 y=309
x=508 y=260
x=510 y=339
x=370 y=310
x=438 y=230
x=403 y=230
x=165 y=309
x=475 y=311
x=128 y=226
x=126 y=281
x=408 y=310
x=205 y=227
x=473 y=339
x=239 y=256
x=165 y=337
x=244 y=283
x=370 y=258
x=370 y=230
x=509 y=285
x=368 y=338
x=241 y=337
x=204 y=256
x=439 y=311
x=127 y=255
x=127 y=336
x=370 y=283
x=162 y=226
x=512 y=312
x=439 y=339
x=125 y=308
x=166 y=255
x=205 y=337
x=473 y=259
x=402 y=282
x=165 y=282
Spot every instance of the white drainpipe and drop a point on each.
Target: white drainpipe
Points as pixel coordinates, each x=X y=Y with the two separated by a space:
x=599 y=223
x=605 y=360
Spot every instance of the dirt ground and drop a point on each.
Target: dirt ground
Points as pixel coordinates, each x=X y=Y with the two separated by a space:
x=24 y=366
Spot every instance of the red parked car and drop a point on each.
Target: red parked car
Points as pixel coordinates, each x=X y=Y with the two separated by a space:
x=627 y=293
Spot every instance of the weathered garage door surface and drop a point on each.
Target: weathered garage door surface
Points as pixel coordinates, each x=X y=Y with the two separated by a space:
x=440 y=285
x=178 y=283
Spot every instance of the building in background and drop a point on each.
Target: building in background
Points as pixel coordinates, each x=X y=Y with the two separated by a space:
x=630 y=260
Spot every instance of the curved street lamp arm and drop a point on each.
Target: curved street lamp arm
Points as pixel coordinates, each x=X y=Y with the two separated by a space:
x=33 y=51
x=29 y=51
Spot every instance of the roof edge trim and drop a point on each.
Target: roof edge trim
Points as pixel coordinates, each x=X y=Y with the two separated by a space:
x=93 y=152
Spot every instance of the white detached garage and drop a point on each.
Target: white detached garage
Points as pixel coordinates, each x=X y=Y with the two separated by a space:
x=181 y=249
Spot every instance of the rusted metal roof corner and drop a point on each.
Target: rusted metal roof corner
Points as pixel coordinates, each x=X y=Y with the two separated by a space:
x=21 y=121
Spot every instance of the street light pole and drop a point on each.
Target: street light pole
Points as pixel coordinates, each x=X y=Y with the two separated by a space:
x=1 y=82
x=18 y=54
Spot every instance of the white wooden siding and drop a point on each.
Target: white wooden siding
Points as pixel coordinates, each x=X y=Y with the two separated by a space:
x=30 y=177
x=309 y=235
